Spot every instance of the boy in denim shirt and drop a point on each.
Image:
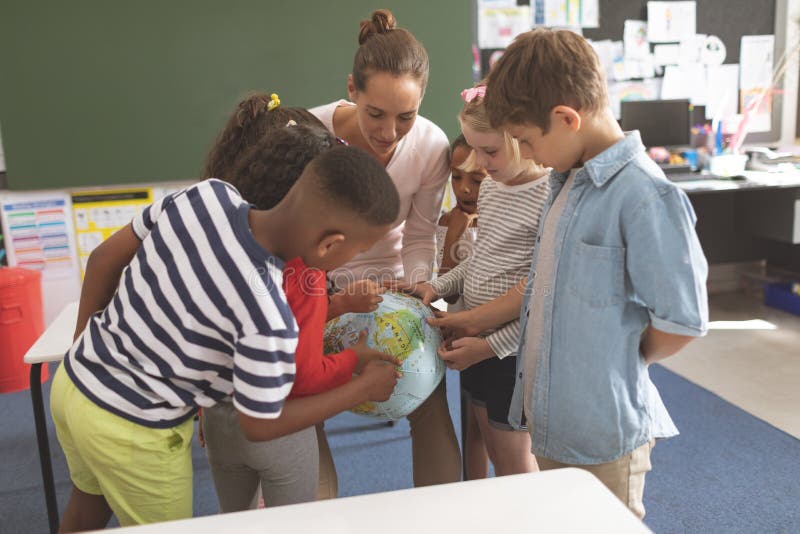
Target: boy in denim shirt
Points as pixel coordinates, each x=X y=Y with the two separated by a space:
x=618 y=275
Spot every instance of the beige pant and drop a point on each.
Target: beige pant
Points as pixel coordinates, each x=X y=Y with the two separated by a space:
x=434 y=447
x=624 y=476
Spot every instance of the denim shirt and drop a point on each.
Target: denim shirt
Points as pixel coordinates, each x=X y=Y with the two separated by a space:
x=626 y=256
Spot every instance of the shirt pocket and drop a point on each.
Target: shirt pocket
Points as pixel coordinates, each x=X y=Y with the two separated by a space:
x=598 y=275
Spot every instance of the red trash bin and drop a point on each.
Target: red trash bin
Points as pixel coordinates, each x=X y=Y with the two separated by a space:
x=21 y=324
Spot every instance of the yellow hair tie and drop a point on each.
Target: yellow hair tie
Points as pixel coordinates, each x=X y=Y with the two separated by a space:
x=274 y=102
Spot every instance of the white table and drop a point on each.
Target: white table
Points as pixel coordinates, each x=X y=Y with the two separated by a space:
x=51 y=346
x=563 y=501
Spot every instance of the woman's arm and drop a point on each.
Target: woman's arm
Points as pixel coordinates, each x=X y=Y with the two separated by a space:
x=419 y=234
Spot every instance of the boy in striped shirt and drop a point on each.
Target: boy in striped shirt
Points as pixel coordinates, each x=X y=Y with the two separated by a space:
x=184 y=307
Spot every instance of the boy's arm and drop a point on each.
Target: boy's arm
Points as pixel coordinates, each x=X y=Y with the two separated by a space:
x=375 y=383
x=103 y=271
x=657 y=345
x=668 y=271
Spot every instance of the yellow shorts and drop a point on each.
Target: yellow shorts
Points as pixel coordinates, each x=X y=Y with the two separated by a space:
x=144 y=473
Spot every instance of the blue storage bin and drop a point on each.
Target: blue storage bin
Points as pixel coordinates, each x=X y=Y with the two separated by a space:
x=780 y=296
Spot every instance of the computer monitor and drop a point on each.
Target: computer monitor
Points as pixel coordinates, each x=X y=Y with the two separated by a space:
x=660 y=122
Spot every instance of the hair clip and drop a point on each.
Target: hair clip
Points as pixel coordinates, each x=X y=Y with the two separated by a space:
x=291 y=123
x=274 y=102
x=468 y=95
x=341 y=141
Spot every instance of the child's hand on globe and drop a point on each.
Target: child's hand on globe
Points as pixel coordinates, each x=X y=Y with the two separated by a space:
x=422 y=290
x=365 y=354
x=379 y=378
x=462 y=353
x=455 y=325
x=362 y=296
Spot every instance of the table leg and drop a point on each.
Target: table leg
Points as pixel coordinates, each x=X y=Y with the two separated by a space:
x=44 y=447
x=464 y=420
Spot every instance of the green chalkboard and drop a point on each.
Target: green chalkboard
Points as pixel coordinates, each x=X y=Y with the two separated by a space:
x=99 y=92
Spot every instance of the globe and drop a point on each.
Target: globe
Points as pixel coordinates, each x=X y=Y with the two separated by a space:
x=397 y=327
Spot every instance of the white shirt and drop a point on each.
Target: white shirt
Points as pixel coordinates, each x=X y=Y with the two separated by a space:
x=419 y=169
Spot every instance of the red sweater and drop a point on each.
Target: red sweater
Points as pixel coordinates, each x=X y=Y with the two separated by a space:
x=306 y=291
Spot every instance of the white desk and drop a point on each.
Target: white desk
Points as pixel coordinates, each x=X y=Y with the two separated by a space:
x=57 y=339
x=563 y=501
x=50 y=347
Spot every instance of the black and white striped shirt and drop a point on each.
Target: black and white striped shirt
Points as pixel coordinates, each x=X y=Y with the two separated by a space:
x=508 y=223
x=199 y=315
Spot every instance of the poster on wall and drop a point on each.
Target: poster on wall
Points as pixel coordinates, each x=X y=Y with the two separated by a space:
x=98 y=214
x=755 y=81
x=39 y=235
x=497 y=27
x=670 y=22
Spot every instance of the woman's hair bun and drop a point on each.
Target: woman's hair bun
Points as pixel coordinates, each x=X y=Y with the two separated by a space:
x=382 y=21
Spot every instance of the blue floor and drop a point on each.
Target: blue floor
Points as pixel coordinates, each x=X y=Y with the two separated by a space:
x=727 y=471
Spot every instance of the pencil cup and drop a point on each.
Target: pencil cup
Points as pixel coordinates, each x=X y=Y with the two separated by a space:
x=728 y=164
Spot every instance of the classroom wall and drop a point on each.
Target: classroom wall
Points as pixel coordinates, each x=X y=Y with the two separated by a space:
x=100 y=93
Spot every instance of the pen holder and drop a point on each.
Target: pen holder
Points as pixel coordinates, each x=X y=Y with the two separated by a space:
x=728 y=164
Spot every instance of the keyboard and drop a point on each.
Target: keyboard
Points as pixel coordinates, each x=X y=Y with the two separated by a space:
x=686 y=176
x=689 y=176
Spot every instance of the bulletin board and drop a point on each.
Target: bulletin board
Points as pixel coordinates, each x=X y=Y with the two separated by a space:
x=727 y=19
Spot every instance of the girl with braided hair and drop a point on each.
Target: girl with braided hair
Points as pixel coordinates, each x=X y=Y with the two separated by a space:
x=285 y=470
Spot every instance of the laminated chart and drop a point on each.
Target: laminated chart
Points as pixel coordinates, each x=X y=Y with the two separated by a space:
x=38 y=233
x=98 y=214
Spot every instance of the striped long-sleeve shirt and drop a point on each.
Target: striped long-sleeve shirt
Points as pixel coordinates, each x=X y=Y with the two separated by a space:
x=508 y=223
x=199 y=315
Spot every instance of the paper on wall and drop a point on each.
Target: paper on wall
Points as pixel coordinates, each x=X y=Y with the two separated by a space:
x=605 y=53
x=574 y=13
x=669 y=22
x=685 y=81
x=98 y=214
x=756 y=59
x=39 y=235
x=590 y=13
x=497 y=3
x=497 y=26
x=722 y=99
x=713 y=51
x=617 y=53
x=666 y=54
x=635 y=39
x=690 y=47
x=633 y=90
x=638 y=68
x=560 y=13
